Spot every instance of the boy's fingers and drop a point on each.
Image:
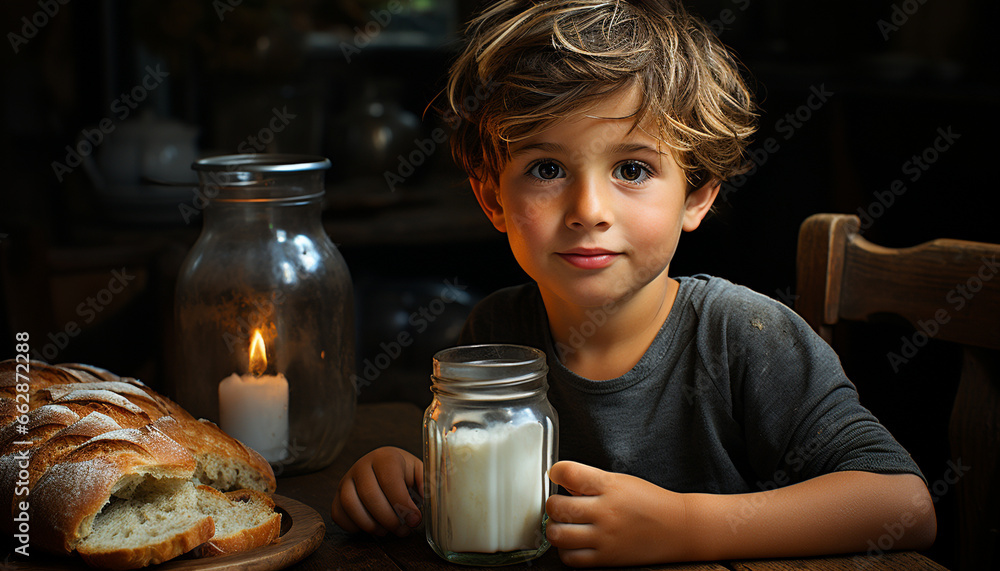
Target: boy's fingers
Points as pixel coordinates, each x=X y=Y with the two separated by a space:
x=565 y=509
x=578 y=479
x=415 y=489
x=352 y=515
x=570 y=535
x=340 y=517
x=578 y=557
x=393 y=483
x=373 y=489
x=375 y=496
x=418 y=478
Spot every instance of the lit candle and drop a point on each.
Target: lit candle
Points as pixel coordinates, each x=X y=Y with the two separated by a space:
x=253 y=408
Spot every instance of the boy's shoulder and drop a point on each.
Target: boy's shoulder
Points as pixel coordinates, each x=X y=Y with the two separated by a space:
x=510 y=301
x=523 y=293
x=721 y=305
x=708 y=296
x=506 y=316
x=720 y=294
x=703 y=301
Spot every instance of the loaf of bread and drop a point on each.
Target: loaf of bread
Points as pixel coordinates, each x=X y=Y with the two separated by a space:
x=121 y=475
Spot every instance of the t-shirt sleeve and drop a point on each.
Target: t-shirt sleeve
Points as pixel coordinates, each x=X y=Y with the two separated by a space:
x=801 y=415
x=481 y=325
x=508 y=315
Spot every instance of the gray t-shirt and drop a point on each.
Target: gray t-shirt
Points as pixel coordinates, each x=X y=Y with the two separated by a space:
x=736 y=394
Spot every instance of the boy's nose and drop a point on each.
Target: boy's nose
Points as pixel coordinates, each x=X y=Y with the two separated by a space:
x=588 y=205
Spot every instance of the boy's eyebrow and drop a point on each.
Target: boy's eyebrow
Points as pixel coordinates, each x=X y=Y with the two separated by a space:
x=625 y=148
x=618 y=149
x=547 y=147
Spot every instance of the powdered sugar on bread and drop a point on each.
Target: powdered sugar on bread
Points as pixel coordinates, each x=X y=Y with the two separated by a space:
x=102 y=443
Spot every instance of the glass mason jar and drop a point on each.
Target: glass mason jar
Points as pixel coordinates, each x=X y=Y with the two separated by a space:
x=264 y=312
x=490 y=437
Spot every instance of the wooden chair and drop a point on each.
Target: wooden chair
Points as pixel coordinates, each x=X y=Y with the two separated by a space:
x=948 y=290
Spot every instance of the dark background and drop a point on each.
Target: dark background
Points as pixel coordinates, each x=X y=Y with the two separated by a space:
x=895 y=76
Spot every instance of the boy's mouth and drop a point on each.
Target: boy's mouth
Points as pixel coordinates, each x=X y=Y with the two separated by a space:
x=589 y=258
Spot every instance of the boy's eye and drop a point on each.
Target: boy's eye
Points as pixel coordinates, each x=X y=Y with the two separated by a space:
x=631 y=172
x=546 y=170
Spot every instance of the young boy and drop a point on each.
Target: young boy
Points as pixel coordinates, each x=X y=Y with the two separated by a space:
x=698 y=420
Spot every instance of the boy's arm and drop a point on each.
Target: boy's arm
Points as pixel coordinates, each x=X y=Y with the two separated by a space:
x=617 y=519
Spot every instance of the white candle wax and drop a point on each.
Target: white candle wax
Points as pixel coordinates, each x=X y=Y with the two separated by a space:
x=254 y=410
x=494 y=489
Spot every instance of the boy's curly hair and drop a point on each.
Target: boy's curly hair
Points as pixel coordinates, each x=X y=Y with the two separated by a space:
x=528 y=63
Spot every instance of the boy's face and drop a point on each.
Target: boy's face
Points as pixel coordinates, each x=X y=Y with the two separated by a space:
x=593 y=212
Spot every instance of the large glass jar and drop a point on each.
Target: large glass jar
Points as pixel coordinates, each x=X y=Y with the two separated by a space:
x=264 y=312
x=490 y=437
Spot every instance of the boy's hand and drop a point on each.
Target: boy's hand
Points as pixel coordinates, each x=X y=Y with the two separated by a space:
x=613 y=519
x=374 y=495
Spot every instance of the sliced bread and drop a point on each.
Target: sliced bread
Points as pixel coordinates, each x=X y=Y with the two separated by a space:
x=159 y=522
x=244 y=519
x=164 y=519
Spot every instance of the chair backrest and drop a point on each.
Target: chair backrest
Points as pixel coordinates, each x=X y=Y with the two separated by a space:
x=948 y=290
x=841 y=275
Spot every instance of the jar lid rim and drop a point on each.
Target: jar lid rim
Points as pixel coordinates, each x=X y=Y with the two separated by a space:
x=262 y=162
x=528 y=355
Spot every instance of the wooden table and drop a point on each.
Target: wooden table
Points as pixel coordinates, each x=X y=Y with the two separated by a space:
x=398 y=424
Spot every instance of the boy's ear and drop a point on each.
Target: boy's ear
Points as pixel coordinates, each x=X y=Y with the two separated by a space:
x=486 y=194
x=699 y=202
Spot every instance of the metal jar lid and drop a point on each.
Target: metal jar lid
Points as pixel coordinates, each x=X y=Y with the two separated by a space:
x=263 y=162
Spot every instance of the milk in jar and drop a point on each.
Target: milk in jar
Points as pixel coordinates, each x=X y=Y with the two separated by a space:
x=490 y=437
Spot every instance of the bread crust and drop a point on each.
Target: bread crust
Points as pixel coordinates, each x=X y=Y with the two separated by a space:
x=41 y=374
x=93 y=435
x=84 y=401
x=134 y=558
x=205 y=439
x=127 y=391
x=88 y=476
x=247 y=538
x=46 y=454
x=42 y=423
x=81 y=369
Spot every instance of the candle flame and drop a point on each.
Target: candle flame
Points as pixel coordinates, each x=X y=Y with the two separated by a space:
x=258 y=354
